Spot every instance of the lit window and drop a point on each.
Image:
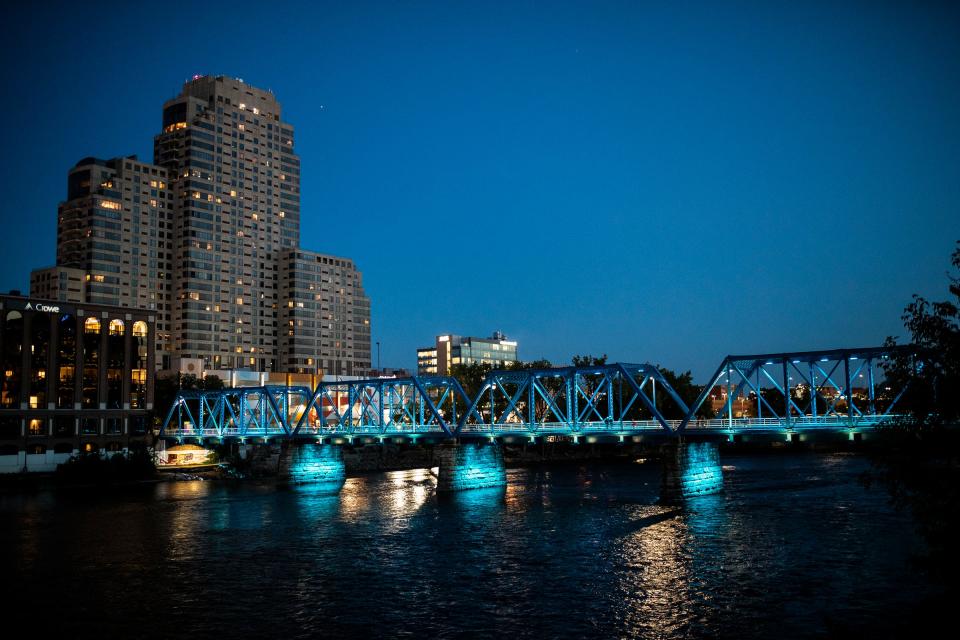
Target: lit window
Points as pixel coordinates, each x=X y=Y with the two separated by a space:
x=109 y=204
x=116 y=327
x=140 y=329
x=91 y=325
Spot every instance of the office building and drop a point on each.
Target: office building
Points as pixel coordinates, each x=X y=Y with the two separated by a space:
x=208 y=238
x=114 y=241
x=325 y=321
x=449 y=350
x=74 y=378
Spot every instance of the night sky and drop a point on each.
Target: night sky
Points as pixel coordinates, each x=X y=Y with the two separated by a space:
x=663 y=182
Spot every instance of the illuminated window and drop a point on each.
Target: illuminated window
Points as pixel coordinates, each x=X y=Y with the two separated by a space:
x=174 y=127
x=91 y=325
x=116 y=327
x=109 y=204
x=140 y=329
x=239 y=300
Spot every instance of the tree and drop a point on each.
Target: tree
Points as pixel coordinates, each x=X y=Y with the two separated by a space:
x=166 y=387
x=589 y=361
x=471 y=376
x=929 y=372
x=922 y=469
x=683 y=384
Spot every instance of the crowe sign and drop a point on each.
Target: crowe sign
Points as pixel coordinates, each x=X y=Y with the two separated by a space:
x=43 y=307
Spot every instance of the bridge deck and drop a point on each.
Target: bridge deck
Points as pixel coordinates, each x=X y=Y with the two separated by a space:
x=608 y=400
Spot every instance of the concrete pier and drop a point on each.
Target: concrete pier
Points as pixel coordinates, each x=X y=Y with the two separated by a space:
x=316 y=464
x=690 y=469
x=470 y=466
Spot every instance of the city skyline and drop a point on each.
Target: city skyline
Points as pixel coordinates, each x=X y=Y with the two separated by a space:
x=649 y=194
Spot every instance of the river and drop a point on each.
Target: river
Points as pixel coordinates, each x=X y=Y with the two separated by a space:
x=794 y=547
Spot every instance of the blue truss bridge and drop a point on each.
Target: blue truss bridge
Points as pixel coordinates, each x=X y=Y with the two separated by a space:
x=841 y=390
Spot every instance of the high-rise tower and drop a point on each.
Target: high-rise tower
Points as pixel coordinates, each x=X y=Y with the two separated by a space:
x=209 y=238
x=236 y=184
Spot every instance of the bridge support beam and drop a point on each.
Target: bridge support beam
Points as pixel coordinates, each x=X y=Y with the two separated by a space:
x=470 y=466
x=690 y=469
x=315 y=464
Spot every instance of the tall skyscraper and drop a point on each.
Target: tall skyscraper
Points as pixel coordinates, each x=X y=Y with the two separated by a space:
x=236 y=181
x=209 y=237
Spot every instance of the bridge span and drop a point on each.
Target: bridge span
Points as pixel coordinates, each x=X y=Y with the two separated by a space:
x=835 y=390
x=840 y=390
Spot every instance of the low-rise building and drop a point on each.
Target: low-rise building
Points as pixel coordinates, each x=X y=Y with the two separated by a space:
x=449 y=350
x=75 y=378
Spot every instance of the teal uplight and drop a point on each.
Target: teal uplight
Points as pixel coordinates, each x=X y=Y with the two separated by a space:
x=318 y=464
x=471 y=466
x=692 y=469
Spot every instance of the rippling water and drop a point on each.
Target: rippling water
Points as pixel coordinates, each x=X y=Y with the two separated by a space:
x=794 y=547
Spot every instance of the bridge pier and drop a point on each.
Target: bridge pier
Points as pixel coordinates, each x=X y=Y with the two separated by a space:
x=690 y=469
x=470 y=465
x=320 y=465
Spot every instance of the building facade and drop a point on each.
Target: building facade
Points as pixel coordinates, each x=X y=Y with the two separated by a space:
x=449 y=350
x=114 y=235
x=208 y=238
x=236 y=181
x=75 y=378
x=325 y=318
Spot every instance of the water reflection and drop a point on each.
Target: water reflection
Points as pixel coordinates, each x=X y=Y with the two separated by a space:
x=356 y=499
x=652 y=581
x=582 y=550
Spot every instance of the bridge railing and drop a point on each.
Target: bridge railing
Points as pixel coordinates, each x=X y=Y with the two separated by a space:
x=614 y=398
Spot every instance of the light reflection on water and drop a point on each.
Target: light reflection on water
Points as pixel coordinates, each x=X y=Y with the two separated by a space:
x=573 y=551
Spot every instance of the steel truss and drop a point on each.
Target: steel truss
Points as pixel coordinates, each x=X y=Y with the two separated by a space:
x=615 y=399
x=571 y=400
x=809 y=388
x=235 y=412
x=385 y=406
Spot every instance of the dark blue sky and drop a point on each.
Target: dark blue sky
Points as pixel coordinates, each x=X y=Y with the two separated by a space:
x=667 y=182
